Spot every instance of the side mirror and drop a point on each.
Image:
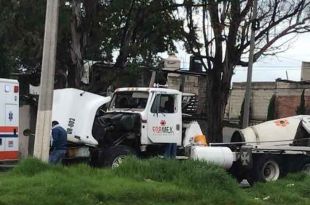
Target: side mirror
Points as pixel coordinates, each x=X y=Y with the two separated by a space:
x=27 y=132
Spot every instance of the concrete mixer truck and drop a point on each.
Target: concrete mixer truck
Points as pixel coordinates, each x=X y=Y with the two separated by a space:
x=272 y=149
x=141 y=121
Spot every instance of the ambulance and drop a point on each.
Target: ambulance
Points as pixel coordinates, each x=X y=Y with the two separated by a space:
x=9 y=120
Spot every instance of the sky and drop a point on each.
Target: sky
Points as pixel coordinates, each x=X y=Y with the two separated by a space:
x=273 y=67
x=267 y=68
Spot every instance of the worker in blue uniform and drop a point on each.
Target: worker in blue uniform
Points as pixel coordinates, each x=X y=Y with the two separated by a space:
x=59 y=143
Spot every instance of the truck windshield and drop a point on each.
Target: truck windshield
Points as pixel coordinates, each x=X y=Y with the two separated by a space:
x=129 y=99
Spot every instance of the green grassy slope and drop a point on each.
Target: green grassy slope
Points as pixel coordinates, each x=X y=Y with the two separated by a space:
x=142 y=182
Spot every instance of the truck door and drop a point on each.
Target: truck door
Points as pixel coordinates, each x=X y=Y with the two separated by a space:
x=11 y=122
x=165 y=120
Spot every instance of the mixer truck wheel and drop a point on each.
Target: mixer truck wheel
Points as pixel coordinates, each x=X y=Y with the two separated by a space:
x=265 y=169
x=235 y=171
x=114 y=156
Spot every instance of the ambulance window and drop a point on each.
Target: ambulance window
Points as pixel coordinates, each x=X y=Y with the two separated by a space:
x=164 y=104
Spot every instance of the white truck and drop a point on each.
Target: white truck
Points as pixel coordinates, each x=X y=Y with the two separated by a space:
x=141 y=121
x=9 y=120
x=272 y=149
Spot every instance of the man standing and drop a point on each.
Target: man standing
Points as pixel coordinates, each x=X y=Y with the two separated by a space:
x=59 y=143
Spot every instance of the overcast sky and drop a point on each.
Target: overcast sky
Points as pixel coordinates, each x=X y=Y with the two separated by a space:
x=268 y=68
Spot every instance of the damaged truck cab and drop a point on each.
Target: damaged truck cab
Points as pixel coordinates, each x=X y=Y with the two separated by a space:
x=137 y=121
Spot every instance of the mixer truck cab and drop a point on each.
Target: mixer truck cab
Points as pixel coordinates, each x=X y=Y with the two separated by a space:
x=156 y=112
x=136 y=121
x=9 y=120
x=142 y=121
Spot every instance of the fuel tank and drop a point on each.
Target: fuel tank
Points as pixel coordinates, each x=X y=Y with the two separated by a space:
x=221 y=156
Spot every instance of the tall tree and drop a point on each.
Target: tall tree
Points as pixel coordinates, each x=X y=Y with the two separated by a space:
x=218 y=33
x=137 y=30
x=21 y=32
x=97 y=30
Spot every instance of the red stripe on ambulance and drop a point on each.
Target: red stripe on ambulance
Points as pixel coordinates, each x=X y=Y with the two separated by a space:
x=7 y=129
x=9 y=155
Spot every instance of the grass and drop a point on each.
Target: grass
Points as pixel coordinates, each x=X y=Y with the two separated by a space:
x=153 y=181
x=293 y=189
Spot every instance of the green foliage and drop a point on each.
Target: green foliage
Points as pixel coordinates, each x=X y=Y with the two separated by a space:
x=5 y=68
x=103 y=26
x=301 y=109
x=271 y=115
x=154 y=181
x=22 y=29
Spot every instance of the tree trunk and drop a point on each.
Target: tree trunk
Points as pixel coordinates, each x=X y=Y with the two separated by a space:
x=217 y=96
x=74 y=73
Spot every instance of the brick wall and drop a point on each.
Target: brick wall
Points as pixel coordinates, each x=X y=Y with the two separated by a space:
x=287 y=105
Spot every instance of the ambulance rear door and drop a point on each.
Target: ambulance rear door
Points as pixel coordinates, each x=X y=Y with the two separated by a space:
x=9 y=119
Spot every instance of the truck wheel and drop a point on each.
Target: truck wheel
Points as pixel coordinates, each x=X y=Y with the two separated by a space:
x=114 y=156
x=265 y=169
x=236 y=172
x=305 y=167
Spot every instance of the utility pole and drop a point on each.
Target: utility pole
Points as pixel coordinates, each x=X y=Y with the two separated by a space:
x=247 y=96
x=43 y=126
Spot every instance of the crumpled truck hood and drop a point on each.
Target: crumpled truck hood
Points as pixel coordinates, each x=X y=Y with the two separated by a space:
x=75 y=111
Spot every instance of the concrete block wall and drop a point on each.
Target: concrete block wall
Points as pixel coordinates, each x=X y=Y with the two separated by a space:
x=260 y=103
x=234 y=104
x=305 y=71
x=202 y=94
x=260 y=98
x=191 y=84
x=174 y=82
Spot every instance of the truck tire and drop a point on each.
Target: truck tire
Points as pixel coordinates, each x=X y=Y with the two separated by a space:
x=236 y=172
x=114 y=155
x=305 y=166
x=265 y=169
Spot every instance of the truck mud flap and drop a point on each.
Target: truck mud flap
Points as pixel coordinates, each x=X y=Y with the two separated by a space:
x=246 y=157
